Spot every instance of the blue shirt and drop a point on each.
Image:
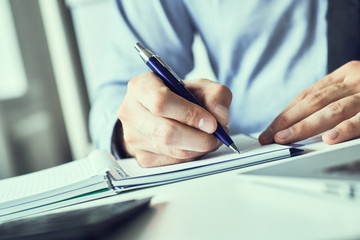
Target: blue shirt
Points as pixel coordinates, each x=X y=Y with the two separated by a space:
x=266 y=52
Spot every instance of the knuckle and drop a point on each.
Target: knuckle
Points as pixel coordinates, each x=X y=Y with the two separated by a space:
x=180 y=153
x=304 y=94
x=124 y=114
x=145 y=160
x=302 y=126
x=166 y=133
x=328 y=78
x=315 y=99
x=339 y=87
x=149 y=160
x=202 y=80
x=190 y=116
x=207 y=144
x=158 y=100
x=355 y=99
x=222 y=90
x=146 y=163
x=134 y=82
x=336 y=108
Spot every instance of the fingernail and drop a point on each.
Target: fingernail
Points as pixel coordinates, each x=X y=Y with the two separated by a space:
x=267 y=135
x=222 y=111
x=332 y=134
x=206 y=125
x=284 y=134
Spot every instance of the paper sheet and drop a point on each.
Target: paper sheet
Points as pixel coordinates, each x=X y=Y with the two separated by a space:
x=248 y=146
x=45 y=180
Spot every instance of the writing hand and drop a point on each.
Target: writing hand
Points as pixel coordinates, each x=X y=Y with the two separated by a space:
x=332 y=104
x=162 y=128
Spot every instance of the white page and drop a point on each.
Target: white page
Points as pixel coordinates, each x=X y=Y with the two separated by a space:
x=45 y=180
x=248 y=146
x=54 y=178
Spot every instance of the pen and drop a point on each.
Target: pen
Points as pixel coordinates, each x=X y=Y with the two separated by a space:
x=175 y=84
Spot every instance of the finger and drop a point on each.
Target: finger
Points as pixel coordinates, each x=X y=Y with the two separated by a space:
x=161 y=101
x=167 y=134
x=346 y=130
x=215 y=97
x=320 y=121
x=148 y=159
x=335 y=77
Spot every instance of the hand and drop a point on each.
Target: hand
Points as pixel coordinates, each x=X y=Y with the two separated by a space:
x=331 y=104
x=162 y=128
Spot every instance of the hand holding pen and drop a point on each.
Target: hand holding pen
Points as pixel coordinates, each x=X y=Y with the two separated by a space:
x=161 y=128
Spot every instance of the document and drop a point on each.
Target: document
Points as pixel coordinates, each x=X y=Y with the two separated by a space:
x=100 y=175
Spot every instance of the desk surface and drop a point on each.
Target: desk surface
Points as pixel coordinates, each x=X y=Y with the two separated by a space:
x=225 y=206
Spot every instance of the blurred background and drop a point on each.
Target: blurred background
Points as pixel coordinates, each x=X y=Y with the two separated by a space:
x=43 y=99
x=48 y=49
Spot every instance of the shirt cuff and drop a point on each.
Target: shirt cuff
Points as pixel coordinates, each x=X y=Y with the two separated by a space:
x=117 y=142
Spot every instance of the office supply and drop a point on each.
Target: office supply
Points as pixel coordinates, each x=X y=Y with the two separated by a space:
x=175 y=84
x=326 y=173
x=100 y=175
x=97 y=222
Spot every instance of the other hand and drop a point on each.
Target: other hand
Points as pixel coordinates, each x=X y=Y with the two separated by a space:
x=331 y=105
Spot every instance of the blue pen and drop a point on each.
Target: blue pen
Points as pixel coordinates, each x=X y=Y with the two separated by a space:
x=175 y=84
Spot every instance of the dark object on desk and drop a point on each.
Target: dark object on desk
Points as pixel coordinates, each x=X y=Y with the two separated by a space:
x=347 y=168
x=88 y=223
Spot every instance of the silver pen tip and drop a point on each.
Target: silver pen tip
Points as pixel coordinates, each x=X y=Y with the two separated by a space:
x=145 y=54
x=138 y=47
x=234 y=148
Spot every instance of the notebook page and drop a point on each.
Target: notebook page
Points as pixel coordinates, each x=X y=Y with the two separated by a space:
x=248 y=146
x=45 y=180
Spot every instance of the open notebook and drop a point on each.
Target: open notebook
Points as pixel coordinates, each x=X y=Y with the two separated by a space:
x=100 y=175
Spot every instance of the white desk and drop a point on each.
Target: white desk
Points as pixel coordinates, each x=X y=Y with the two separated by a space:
x=223 y=206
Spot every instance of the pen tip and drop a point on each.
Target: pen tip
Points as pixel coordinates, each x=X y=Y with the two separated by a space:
x=234 y=148
x=138 y=47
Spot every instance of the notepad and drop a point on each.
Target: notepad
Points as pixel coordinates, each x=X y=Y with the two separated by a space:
x=100 y=175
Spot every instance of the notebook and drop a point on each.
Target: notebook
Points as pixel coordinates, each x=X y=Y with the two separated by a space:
x=331 y=171
x=100 y=175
